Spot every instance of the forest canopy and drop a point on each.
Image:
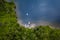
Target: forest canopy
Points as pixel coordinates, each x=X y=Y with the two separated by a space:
x=11 y=30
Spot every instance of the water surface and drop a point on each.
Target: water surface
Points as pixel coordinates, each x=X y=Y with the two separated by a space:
x=38 y=12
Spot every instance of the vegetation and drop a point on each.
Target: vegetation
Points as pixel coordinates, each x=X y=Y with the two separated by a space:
x=10 y=29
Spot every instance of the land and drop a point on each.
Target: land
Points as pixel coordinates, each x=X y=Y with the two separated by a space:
x=11 y=30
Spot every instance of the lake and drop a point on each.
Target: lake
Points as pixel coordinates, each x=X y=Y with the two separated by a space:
x=38 y=12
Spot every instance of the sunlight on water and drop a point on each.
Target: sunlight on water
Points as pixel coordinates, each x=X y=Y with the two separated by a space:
x=27 y=14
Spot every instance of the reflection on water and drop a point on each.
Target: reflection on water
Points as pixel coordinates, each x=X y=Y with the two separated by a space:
x=38 y=12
